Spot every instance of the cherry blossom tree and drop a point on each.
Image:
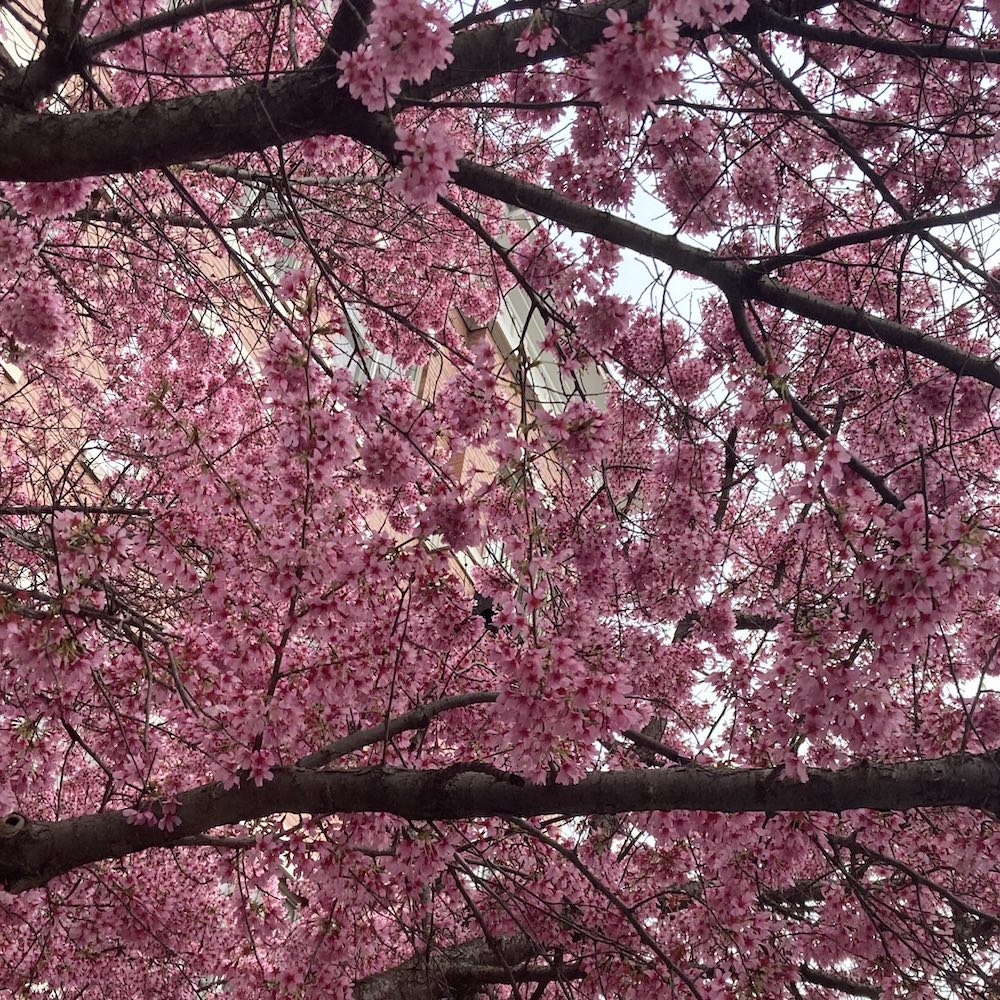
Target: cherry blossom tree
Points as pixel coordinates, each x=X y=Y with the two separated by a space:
x=399 y=598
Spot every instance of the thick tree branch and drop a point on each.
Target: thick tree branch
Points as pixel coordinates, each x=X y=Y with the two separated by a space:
x=769 y=18
x=22 y=87
x=350 y=24
x=39 y=147
x=256 y=116
x=38 y=851
x=829 y=981
x=306 y=103
x=122 y=140
x=734 y=279
x=466 y=965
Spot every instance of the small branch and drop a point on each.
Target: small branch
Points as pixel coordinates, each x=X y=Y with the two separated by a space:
x=75 y=737
x=157 y=22
x=767 y=17
x=841 y=141
x=919 y=226
x=45 y=510
x=728 y=478
x=648 y=743
x=830 y=981
x=502 y=252
x=612 y=897
x=750 y=622
x=416 y=718
x=227 y=843
x=871 y=477
x=957 y=904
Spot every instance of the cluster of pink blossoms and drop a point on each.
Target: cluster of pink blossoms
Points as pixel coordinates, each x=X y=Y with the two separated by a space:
x=581 y=431
x=627 y=72
x=417 y=860
x=52 y=199
x=704 y=13
x=430 y=157
x=687 y=171
x=292 y=284
x=34 y=314
x=185 y=50
x=407 y=40
x=165 y=818
x=456 y=521
x=537 y=37
x=603 y=323
x=555 y=704
x=16 y=243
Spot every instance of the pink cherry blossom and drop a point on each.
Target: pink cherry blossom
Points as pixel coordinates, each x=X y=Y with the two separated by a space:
x=407 y=40
x=34 y=315
x=534 y=40
x=292 y=283
x=50 y=200
x=429 y=158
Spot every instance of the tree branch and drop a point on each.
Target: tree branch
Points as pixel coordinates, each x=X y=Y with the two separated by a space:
x=469 y=964
x=755 y=351
x=164 y=19
x=39 y=851
x=306 y=103
x=300 y=104
x=921 y=225
x=817 y=977
x=770 y=19
x=417 y=718
x=734 y=279
x=256 y=116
